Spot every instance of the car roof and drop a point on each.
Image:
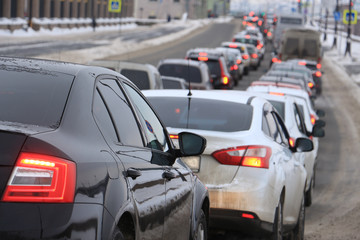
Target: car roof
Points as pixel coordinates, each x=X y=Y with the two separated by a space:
x=209 y=52
x=232 y=96
x=181 y=61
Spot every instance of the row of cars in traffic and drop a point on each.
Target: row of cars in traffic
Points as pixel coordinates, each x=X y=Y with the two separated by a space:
x=104 y=153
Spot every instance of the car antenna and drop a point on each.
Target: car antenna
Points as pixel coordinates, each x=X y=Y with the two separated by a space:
x=188 y=72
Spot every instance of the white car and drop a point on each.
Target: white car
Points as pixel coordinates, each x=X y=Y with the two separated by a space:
x=293 y=117
x=248 y=166
x=244 y=53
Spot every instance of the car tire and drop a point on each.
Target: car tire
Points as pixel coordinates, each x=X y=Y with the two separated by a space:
x=117 y=235
x=278 y=223
x=299 y=230
x=201 y=232
x=309 y=194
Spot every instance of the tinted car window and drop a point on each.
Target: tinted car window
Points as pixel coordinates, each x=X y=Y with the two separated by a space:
x=38 y=97
x=279 y=106
x=210 y=115
x=121 y=113
x=292 y=46
x=296 y=21
x=181 y=71
x=103 y=118
x=170 y=84
x=214 y=67
x=310 y=48
x=156 y=138
x=139 y=78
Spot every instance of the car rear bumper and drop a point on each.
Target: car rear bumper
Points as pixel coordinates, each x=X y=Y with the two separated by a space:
x=50 y=221
x=234 y=220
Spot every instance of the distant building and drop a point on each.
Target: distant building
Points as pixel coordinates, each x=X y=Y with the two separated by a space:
x=161 y=9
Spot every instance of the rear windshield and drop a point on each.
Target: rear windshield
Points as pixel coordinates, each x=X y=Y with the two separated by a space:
x=33 y=97
x=214 y=67
x=170 y=84
x=289 y=20
x=181 y=71
x=138 y=77
x=279 y=106
x=292 y=46
x=246 y=40
x=212 y=115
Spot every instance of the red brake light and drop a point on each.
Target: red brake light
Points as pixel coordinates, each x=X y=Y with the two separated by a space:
x=265 y=31
x=269 y=34
x=233 y=46
x=260 y=23
x=277 y=94
x=275 y=60
x=173 y=136
x=244 y=22
x=254 y=55
x=238 y=61
x=259 y=46
x=311 y=85
x=41 y=178
x=313 y=119
x=202 y=54
x=247 y=36
x=225 y=80
x=203 y=59
x=318 y=66
x=234 y=67
x=245 y=56
x=318 y=74
x=247 y=156
x=248 y=215
x=302 y=63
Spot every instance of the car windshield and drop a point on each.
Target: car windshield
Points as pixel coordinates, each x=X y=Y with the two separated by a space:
x=33 y=97
x=138 y=77
x=189 y=73
x=204 y=114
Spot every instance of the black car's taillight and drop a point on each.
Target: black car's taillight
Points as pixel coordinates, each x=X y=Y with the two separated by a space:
x=41 y=178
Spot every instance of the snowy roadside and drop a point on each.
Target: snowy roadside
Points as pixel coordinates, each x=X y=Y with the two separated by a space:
x=116 y=46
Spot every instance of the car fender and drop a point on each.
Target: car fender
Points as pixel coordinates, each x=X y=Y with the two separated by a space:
x=200 y=201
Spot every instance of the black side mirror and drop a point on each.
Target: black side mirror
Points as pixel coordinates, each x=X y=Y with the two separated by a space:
x=191 y=144
x=303 y=145
x=318 y=131
x=320 y=112
x=320 y=123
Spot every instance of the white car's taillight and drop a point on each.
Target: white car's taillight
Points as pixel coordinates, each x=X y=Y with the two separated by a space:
x=247 y=156
x=41 y=178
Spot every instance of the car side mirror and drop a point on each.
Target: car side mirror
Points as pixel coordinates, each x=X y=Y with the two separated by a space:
x=303 y=145
x=320 y=123
x=320 y=113
x=191 y=144
x=318 y=131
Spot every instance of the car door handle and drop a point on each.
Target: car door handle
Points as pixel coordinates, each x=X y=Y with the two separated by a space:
x=169 y=175
x=133 y=173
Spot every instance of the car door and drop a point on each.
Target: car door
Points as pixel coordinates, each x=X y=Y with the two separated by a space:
x=145 y=179
x=178 y=180
x=295 y=174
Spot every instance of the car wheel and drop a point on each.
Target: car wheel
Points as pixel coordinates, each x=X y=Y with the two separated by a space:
x=278 y=223
x=117 y=235
x=309 y=194
x=298 y=231
x=201 y=227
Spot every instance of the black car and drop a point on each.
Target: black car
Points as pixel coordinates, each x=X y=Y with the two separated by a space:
x=84 y=156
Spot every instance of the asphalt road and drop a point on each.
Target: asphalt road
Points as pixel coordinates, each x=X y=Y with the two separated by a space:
x=335 y=213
